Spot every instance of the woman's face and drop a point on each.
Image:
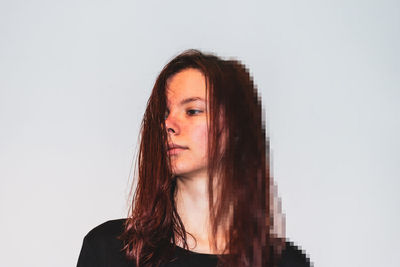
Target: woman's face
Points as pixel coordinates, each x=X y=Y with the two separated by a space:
x=186 y=123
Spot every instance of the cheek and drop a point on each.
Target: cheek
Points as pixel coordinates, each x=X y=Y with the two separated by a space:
x=200 y=137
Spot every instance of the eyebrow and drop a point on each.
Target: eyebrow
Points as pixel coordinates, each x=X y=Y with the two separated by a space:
x=191 y=99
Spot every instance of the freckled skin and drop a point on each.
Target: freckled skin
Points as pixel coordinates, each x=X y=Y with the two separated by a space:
x=187 y=123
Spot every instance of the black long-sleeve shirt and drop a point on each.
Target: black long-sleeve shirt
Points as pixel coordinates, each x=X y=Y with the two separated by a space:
x=101 y=248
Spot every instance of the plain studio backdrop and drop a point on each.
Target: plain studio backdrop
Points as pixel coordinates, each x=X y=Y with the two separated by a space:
x=75 y=77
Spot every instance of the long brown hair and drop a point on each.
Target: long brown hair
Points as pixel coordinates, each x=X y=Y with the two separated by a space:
x=242 y=166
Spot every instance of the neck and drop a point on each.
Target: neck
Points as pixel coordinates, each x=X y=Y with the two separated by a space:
x=192 y=205
x=192 y=190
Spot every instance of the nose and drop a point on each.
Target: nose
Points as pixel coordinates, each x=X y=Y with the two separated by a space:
x=172 y=125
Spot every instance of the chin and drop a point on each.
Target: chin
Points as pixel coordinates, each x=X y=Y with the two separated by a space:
x=180 y=172
x=179 y=167
x=186 y=172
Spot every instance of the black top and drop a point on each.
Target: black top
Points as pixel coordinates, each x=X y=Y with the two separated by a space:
x=101 y=248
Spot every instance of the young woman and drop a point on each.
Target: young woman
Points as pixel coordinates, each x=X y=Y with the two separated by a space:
x=204 y=194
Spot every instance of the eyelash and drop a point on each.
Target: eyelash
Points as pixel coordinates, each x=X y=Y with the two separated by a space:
x=195 y=110
x=188 y=112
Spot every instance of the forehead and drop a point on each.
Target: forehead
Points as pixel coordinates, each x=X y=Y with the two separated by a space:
x=188 y=83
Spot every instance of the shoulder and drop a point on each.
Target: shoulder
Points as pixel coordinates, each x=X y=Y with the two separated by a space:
x=102 y=247
x=106 y=231
x=294 y=256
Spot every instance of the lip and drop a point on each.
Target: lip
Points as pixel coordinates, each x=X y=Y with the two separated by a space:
x=174 y=149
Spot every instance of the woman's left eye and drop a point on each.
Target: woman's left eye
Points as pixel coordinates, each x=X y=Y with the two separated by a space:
x=193 y=111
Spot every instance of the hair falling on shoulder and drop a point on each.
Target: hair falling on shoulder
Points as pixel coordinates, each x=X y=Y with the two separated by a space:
x=238 y=154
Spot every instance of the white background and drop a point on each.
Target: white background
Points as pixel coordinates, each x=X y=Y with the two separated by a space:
x=75 y=77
